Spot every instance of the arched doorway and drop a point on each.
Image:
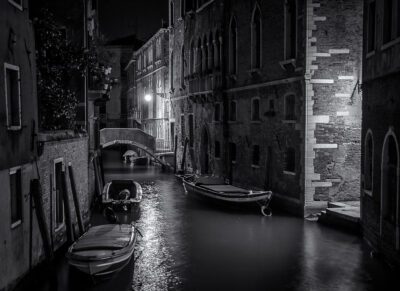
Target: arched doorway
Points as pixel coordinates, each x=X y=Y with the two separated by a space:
x=205 y=151
x=390 y=186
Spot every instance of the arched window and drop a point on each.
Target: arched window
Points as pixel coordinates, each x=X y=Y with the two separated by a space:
x=232 y=111
x=205 y=58
x=290 y=160
x=199 y=57
x=256 y=155
x=290 y=107
x=255 y=109
x=217 y=149
x=390 y=169
x=368 y=163
x=192 y=57
x=233 y=46
x=210 y=51
x=217 y=48
x=256 y=35
x=171 y=13
x=182 y=66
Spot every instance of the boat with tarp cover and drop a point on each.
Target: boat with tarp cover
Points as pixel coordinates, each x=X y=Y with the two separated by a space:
x=103 y=250
x=217 y=188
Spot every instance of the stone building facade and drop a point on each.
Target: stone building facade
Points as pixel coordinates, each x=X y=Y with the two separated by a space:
x=268 y=95
x=151 y=105
x=18 y=120
x=381 y=128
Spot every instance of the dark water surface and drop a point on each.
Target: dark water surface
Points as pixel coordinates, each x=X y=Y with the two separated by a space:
x=190 y=244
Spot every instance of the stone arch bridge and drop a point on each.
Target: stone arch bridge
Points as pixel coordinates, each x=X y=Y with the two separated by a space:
x=133 y=137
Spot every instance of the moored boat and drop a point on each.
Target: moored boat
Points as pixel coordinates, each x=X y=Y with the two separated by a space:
x=103 y=250
x=122 y=194
x=217 y=188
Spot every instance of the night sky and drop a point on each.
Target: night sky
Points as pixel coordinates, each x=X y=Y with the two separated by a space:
x=119 y=18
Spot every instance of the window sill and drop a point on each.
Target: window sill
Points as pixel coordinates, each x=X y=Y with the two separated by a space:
x=370 y=54
x=217 y=158
x=232 y=121
x=233 y=77
x=390 y=43
x=16 y=5
x=16 y=224
x=255 y=121
x=368 y=192
x=255 y=166
x=233 y=162
x=14 y=128
x=289 y=121
x=289 y=173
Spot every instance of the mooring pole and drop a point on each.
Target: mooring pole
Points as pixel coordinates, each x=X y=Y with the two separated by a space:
x=76 y=200
x=184 y=156
x=67 y=207
x=175 y=151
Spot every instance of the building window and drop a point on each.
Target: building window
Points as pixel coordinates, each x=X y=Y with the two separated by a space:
x=217 y=112
x=199 y=60
x=232 y=152
x=205 y=58
x=233 y=47
x=183 y=8
x=388 y=11
x=256 y=155
x=368 y=162
x=255 y=109
x=290 y=107
x=191 y=130
x=217 y=49
x=390 y=168
x=371 y=25
x=183 y=66
x=232 y=111
x=172 y=71
x=271 y=105
x=16 y=3
x=290 y=29
x=217 y=150
x=16 y=196
x=171 y=13
x=13 y=96
x=188 y=5
x=290 y=160
x=58 y=193
x=256 y=35
x=210 y=51
x=183 y=130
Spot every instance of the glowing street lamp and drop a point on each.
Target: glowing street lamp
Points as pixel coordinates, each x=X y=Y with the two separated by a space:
x=148 y=97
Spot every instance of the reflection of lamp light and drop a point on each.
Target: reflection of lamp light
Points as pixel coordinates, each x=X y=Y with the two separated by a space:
x=148 y=97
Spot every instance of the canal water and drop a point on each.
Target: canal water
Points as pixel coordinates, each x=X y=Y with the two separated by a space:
x=191 y=244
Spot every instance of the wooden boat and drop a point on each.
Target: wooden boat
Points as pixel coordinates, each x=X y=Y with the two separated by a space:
x=216 y=188
x=122 y=194
x=103 y=250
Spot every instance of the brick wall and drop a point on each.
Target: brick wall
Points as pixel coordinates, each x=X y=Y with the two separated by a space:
x=74 y=151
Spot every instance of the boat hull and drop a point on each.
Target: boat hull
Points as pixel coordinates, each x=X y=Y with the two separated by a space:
x=103 y=250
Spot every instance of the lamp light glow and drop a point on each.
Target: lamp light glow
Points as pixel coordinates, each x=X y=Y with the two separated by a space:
x=148 y=97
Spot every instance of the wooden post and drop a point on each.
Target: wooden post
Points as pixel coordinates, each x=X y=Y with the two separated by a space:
x=36 y=190
x=97 y=177
x=175 y=151
x=183 y=165
x=67 y=207
x=76 y=200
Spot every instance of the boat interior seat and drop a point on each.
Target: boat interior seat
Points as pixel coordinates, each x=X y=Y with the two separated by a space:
x=209 y=181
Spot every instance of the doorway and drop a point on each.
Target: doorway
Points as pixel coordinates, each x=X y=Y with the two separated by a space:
x=204 y=153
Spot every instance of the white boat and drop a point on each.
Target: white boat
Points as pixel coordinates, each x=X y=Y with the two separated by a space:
x=103 y=250
x=216 y=188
